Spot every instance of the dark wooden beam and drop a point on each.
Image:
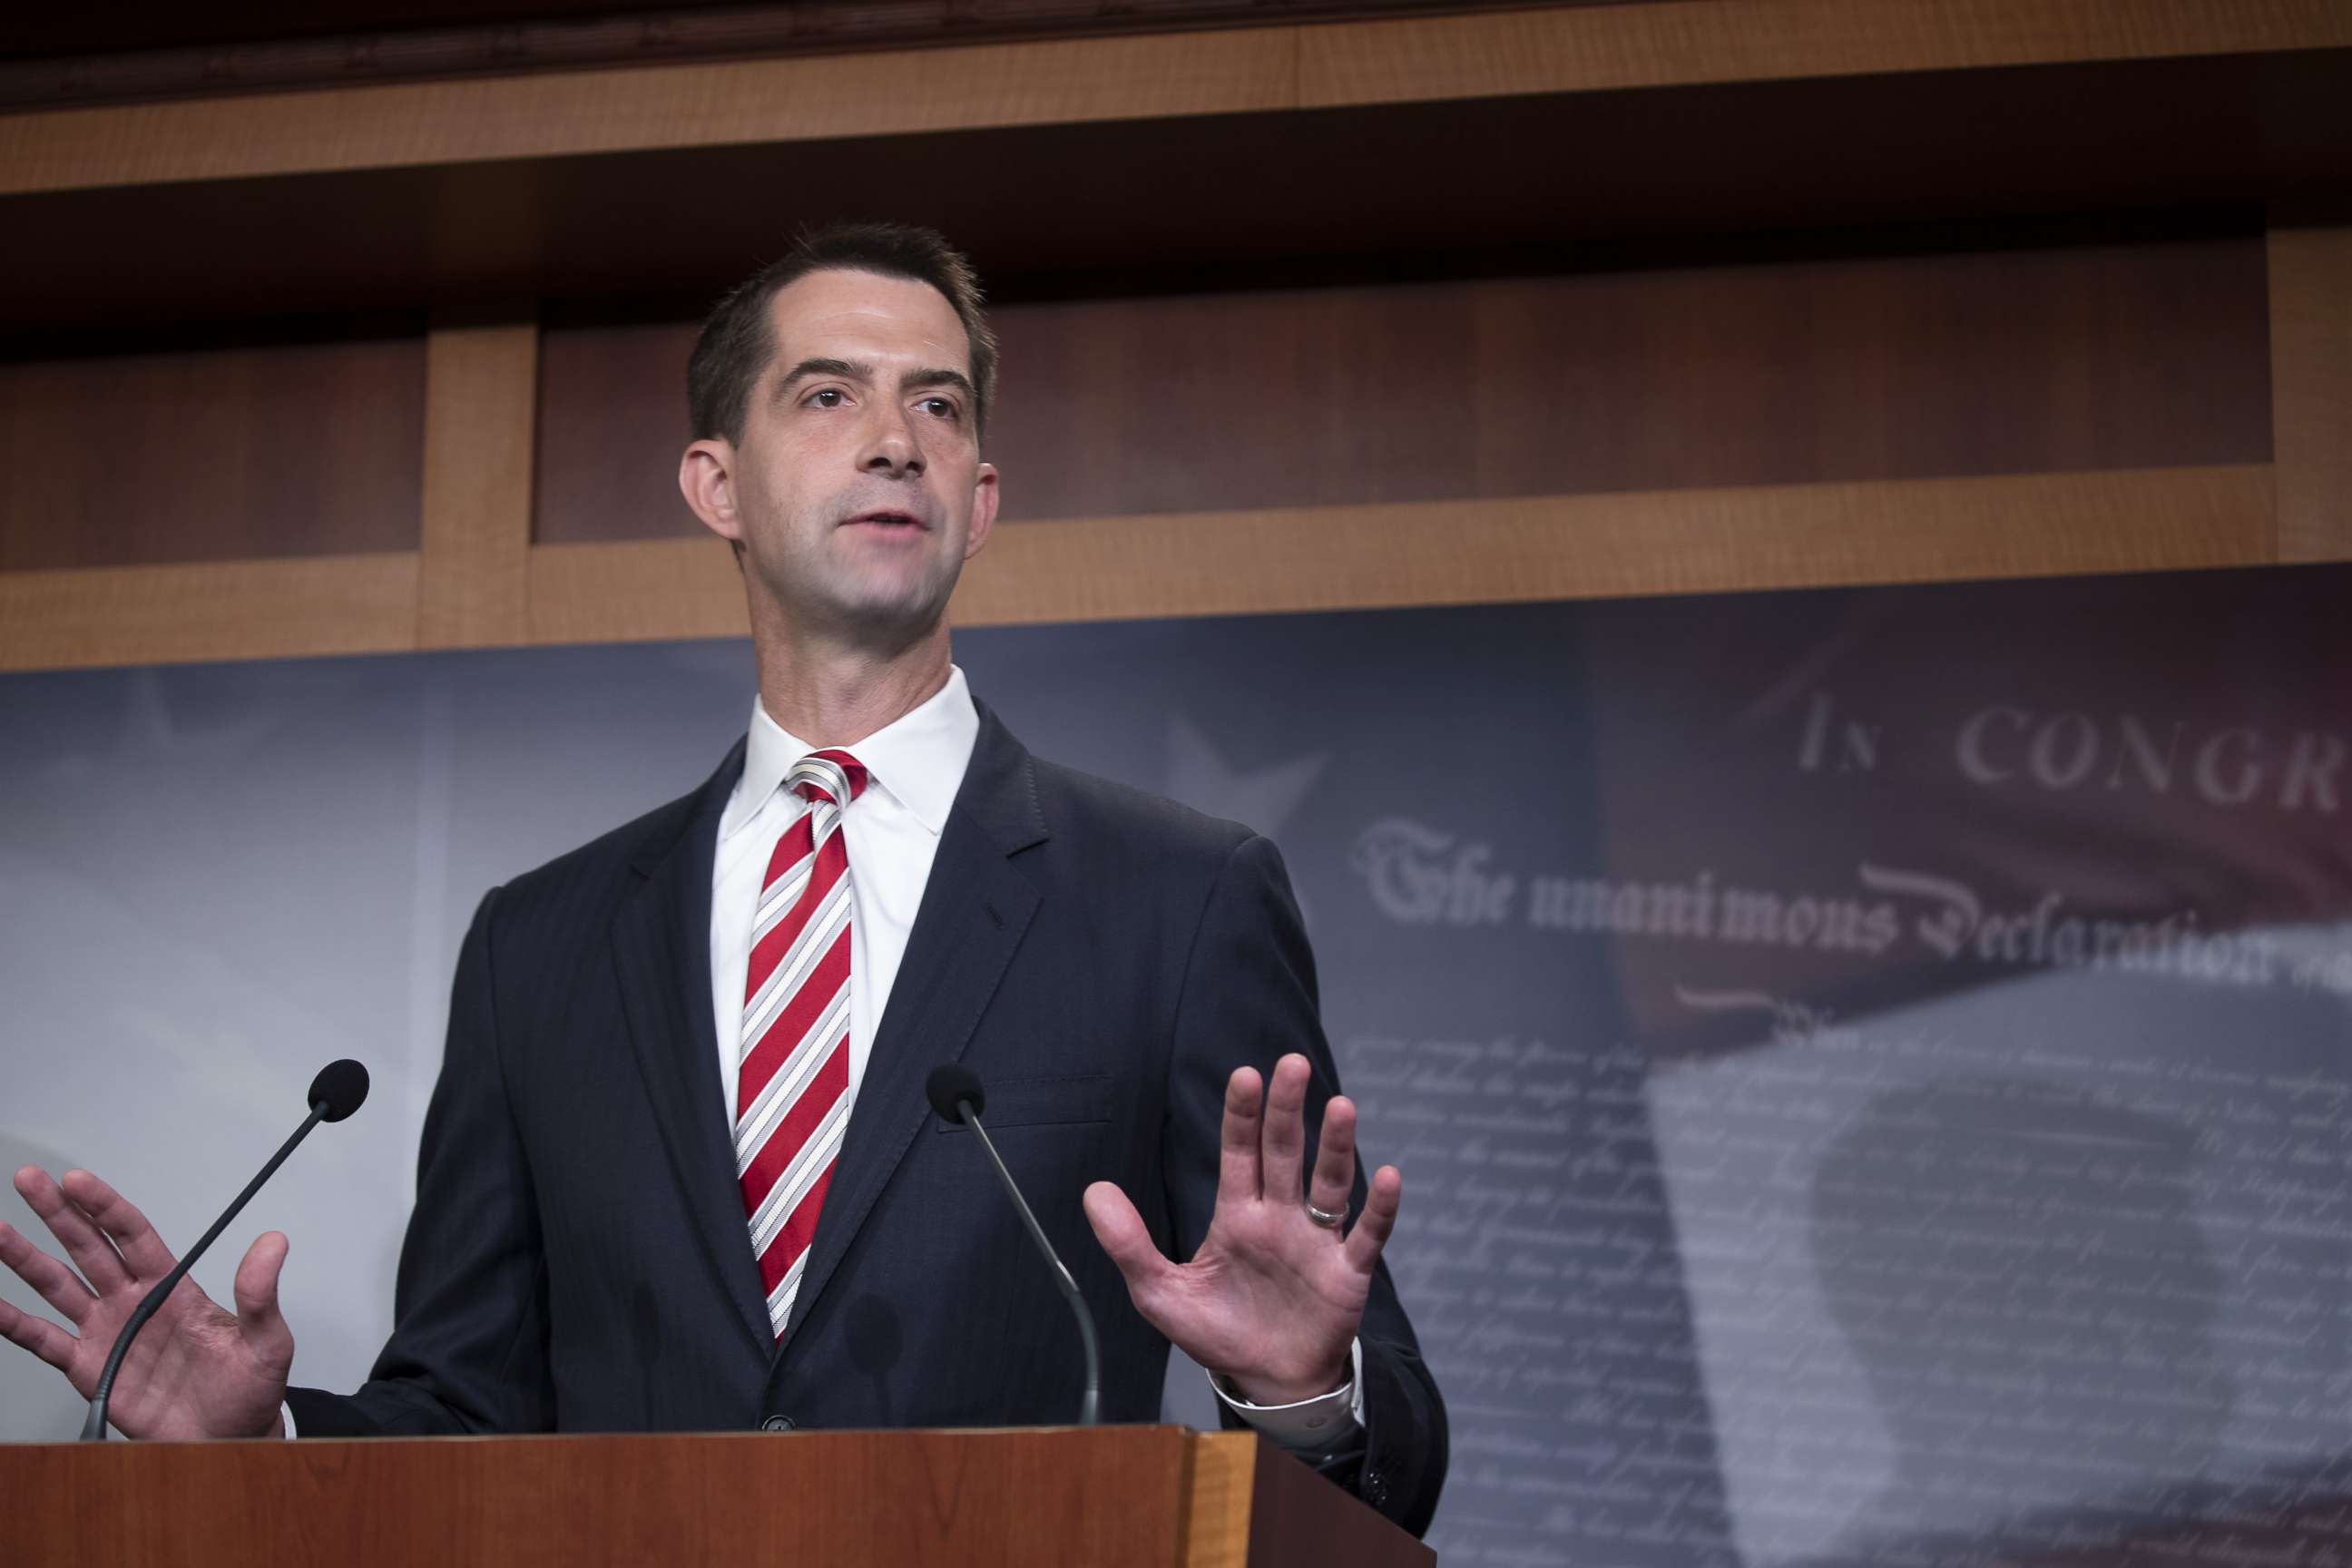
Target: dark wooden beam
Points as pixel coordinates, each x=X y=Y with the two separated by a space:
x=1541 y=184
x=138 y=49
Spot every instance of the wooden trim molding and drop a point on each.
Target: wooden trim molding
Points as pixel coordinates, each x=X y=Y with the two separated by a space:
x=1607 y=48
x=1610 y=546
x=2311 y=391
x=1559 y=49
x=481 y=399
x=635 y=591
x=1247 y=562
x=1221 y=1469
x=1451 y=552
x=655 y=107
x=210 y=610
x=53 y=69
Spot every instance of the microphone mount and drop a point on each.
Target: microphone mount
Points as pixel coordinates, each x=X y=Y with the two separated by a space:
x=955 y=1093
x=335 y=1093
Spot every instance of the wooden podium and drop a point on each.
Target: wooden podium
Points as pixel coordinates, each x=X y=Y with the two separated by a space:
x=1089 y=1499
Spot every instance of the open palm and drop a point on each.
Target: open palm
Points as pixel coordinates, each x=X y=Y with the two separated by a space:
x=1273 y=1299
x=196 y=1370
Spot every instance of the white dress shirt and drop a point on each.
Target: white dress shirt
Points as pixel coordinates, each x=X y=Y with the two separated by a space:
x=914 y=766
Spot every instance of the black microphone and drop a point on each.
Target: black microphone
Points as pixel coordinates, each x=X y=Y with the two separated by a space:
x=335 y=1093
x=955 y=1093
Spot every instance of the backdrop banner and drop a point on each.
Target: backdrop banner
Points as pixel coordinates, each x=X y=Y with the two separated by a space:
x=1872 y=1068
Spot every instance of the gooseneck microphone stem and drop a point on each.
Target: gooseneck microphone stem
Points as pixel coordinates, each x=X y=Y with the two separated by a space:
x=1089 y=1407
x=337 y=1091
x=93 y=1430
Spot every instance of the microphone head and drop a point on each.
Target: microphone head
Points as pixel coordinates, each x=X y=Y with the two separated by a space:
x=952 y=1083
x=340 y=1087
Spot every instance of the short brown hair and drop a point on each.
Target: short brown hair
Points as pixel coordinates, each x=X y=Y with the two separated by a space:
x=736 y=343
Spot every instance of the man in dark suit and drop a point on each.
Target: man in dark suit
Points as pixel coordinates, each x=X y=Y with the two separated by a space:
x=680 y=1171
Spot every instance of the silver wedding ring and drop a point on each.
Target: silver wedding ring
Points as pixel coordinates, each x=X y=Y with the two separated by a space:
x=1325 y=1218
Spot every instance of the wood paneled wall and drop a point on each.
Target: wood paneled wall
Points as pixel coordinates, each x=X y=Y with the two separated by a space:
x=2311 y=371
x=212 y=455
x=1754 y=414
x=2021 y=361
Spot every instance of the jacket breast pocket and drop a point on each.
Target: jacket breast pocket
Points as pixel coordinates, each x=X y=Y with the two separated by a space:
x=1072 y=1101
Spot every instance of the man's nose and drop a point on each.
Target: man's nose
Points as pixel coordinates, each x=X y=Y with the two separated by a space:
x=890 y=444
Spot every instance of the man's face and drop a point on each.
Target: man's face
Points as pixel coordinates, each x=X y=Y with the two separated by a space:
x=857 y=491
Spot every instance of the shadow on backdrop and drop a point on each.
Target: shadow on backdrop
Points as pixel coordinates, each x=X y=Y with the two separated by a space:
x=2018 y=1267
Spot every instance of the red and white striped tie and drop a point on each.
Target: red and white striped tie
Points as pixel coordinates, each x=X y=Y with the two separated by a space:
x=792 y=1100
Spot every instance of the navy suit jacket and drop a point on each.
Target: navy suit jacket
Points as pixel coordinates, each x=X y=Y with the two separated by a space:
x=578 y=1260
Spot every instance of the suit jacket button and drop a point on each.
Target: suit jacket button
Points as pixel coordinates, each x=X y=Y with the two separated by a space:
x=777 y=1424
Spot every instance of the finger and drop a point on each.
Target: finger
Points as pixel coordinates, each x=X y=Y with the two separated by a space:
x=1335 y=1158
x=1372 y=1226
x=1237 y=1145
x=1125 y=1238
x=40 y=1336
x=90 y=1251
x=1285 y=1129
x=142 y=1250
x=59 y=1286
x=258 y=1320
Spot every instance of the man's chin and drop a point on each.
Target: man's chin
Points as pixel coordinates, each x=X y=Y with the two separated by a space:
x=882 y=611
x=885 y=623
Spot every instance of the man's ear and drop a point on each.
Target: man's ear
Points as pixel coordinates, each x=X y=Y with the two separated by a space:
x=705 y=477
x=983 y=510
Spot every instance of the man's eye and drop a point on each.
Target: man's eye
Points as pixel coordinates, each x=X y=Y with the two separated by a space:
x=940 y=407
x=826 y=397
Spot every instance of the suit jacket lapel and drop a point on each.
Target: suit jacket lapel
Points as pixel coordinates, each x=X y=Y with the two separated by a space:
x=661 y=942
x=975 y=908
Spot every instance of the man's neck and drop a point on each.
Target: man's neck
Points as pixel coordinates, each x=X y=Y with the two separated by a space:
x=832 y=696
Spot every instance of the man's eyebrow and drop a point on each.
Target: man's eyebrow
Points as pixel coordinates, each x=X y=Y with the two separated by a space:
x=914 y=379
x=850 y=370
x=846 y=369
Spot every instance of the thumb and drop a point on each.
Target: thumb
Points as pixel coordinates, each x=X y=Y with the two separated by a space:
x=1122 y=1232
x=258 y=1321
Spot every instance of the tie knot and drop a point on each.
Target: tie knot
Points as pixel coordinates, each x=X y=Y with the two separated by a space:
x=834 y=777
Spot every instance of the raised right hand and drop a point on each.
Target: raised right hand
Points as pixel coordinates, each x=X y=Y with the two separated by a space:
x=195 y=1370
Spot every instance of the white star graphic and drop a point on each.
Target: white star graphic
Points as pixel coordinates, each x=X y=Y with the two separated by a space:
x=1263 y=799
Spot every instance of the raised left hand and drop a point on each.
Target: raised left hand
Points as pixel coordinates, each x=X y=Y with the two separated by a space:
x=1271 y=1300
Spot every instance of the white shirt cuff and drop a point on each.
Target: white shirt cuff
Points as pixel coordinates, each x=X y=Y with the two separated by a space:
x=1310 y=1426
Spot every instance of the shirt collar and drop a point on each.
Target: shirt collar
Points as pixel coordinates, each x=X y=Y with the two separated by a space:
x=918 y=758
